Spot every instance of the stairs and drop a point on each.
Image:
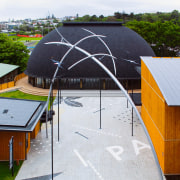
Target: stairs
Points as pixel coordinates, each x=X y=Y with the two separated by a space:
x=73 y=93
x=37 y=91
x=25 y=87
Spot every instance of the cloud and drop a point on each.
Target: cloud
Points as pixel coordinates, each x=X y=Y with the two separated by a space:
x=20 y=9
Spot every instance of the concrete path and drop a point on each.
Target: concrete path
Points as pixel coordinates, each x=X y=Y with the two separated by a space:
x=86 y=152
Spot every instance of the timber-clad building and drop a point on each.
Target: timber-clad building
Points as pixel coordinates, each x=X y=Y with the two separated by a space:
x=160 y=110
x=21 y=119
x=8 y=72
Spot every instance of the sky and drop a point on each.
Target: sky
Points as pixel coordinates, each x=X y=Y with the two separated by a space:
x=34 y=9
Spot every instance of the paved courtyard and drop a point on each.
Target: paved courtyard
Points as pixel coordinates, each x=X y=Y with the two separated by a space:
x=86 y=152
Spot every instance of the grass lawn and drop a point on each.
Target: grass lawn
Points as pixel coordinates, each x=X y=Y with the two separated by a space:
x=17 y=38
x=5 y=173
x=20 y=95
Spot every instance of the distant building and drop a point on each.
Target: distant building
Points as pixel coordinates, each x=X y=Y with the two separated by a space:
x=8 y=72
x=12 y=26
x=2 y=26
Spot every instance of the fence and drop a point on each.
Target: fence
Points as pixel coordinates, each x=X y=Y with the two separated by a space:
x=7 y=85
x=18 y=77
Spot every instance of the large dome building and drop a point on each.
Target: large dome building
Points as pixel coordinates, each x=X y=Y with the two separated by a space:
x=126 y=45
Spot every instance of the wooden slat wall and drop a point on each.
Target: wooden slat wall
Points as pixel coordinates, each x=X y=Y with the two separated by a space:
x=7 y=85
x=19 y=145
x=18 y=77
x=172 y=138
x=156 y=137
x=104 y=84
x=172 y=119
x=81 y=84
x=35 y=131
x=153 y=111
x=172 y=157
x=29 y=142
x=152 y=99
x=162 y=122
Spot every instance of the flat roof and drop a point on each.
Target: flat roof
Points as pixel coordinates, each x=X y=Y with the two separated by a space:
x=165 y=71
x=20 y=115
x=96 y=23
x=6 y=68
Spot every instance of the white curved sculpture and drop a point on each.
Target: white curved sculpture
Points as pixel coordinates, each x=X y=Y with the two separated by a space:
x=112 y=77
x=93 y=55
x=106 y=48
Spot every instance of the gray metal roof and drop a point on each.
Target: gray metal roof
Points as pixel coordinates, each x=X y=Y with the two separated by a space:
x=166 y=72
x=6 y=68
x=20 y=115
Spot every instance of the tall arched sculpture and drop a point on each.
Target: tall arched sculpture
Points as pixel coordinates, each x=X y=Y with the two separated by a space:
x=64 y=42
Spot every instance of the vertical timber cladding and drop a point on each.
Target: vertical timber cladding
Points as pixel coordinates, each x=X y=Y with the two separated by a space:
x=172 y=136
x=162 y=122
x=19 y=145
x=28 y=141
x=36 y=130
x=153 y=112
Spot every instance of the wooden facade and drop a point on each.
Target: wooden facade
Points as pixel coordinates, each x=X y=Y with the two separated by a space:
x=162 y=122
x=36 y=130
x=7 y=85
x=21 y=143
x=84 y=83
x=12 y=83
x=9 y=77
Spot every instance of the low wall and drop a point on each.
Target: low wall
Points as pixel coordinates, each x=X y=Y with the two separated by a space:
x=12 y=83
x=7 y=85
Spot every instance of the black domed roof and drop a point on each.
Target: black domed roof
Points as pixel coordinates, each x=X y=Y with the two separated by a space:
x=124 y=44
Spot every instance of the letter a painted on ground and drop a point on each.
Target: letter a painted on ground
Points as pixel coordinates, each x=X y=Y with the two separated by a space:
x=116 y=151
x=138 y=145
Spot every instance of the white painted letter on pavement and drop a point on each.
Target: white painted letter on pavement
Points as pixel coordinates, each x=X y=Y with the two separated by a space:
x=116 y=151
x=138 y=145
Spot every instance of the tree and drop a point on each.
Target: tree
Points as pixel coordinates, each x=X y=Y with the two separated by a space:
x=13 y=52
x=131 y=15
x=164 y=37
x=118 y=15
x=111 y=18
x=86 y=18
x=93 y=18
x=175 y=15
x=101 y=16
